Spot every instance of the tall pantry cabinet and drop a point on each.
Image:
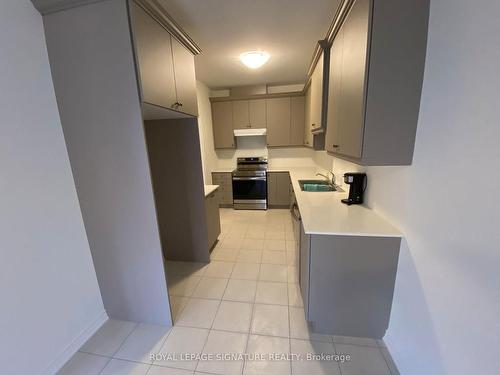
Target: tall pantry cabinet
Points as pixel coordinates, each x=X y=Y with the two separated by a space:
x=127 y=67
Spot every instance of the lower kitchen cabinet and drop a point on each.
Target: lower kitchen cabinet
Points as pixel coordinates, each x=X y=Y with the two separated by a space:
x=225 y=191
x=213 y=218
x=278 y=189
x=347 y=282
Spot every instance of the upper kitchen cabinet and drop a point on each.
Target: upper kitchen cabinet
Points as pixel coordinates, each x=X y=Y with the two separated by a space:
x=297 y=113
x=285 y=121
x=278 y=122
x=316 y=98
x=315 y=101
x=166 y=67
x=249 y=114
x=185 y=79
x=375 y=79
x=222 y=123
x=308 y=136
x=154 y=55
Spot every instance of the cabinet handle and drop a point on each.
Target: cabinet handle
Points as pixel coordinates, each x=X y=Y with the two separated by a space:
x=174 y=105
x=249 y=126
x=179 y=104
x=335 y=146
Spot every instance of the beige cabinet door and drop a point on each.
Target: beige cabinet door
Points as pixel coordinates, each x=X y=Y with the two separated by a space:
x=283 y=189
x=271 y=188
x=241 y=116
x=154 y=57
x=278 y=122
x=317 y=94
x=354 y=68
x=222 y=124
x=212 y=218
x=297 y=112
x=334 y=95
x=308 y=137
x=185 y=81
x=257 y=113
x=278 y=188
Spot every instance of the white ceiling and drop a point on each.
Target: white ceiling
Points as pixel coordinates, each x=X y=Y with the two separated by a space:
x=287 y=29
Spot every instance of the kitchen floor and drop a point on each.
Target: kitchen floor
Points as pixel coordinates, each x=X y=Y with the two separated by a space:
x=247 y=302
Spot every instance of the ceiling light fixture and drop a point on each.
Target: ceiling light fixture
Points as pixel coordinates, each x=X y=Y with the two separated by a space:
x=254 y=59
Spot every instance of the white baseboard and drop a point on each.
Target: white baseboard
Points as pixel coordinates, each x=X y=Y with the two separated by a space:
x=76 y=344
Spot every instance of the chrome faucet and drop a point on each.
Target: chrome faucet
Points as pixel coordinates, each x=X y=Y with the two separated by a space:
x=332 y=180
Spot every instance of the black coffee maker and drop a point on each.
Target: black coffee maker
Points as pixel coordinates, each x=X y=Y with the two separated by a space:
x=357 y=182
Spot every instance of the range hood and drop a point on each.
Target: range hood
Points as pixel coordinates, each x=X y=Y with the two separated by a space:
x=249 y=132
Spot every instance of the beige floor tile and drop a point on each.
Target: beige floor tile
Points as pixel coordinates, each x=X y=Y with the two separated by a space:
x=290 y=246
x=158 y=370
x=271 y=293
x=300 y=329
x=84 y=364
x=275 y=245
x=256 y=233
x=177 y=304
x=365 y=360
x=198 y=313
x=108 y=339
x=119 y=367
x=246 y=271
x=252 y=244
x=273 y=272
x=316 y=367
x=274 y=257
x=292 y=274
x=210 y=287
x=182 y=340
x=270 y=320
x=294 y=295
x=224 y=255
x=145 y=339
x=240 y=290
x=233 y=316
x=219 y=269
x=263 y=346
x=230 y=243
x=249 y=256
x=291 y=259
x=275 y=234
x=182 y=285
x=185 y=268
x=219 y=342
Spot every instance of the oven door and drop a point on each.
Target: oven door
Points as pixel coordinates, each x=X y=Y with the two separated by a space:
x=250 y=192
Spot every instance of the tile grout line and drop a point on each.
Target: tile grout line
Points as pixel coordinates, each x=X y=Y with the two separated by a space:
x=213 y=321
x=249 y=331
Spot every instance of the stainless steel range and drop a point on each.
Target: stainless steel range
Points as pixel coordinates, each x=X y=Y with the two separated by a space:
x=250 y=184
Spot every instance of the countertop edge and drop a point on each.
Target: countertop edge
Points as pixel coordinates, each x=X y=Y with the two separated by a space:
x=209 y=189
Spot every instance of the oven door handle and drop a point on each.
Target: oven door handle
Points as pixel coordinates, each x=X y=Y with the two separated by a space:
x=249 y=178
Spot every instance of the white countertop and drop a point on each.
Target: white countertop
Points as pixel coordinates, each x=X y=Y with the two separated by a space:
x=209 y=189
x=324 y=213
x=223 y=170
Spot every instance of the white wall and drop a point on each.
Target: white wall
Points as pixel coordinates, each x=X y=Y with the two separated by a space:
x=50 y=297
x=447 y=299
x=208 y=155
